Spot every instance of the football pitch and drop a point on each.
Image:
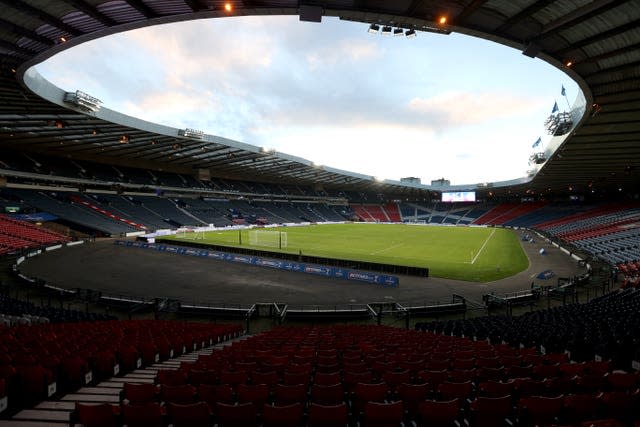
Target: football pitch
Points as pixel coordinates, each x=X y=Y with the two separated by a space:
x=463 y=253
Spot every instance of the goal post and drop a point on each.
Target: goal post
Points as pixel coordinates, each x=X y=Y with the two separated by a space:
x=190 y=234
x=269 y=238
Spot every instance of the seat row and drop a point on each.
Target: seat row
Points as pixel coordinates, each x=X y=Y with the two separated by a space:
x=39 y=361
x=610 y=409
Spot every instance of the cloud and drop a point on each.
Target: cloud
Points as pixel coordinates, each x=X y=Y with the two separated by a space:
x=462 y=108
x=330 y=93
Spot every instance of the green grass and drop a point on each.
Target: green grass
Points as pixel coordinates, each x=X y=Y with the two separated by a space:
x=463 y=253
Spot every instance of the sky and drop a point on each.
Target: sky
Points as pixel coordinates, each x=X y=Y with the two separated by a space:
x=434 y=106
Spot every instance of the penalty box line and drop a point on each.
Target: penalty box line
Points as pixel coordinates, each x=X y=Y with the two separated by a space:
x=482 y=247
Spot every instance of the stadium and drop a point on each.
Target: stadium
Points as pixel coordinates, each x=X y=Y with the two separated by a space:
x=155 y=275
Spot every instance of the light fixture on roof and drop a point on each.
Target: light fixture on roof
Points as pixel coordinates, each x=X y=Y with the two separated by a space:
x=228 y=7
x=83 y=101
x=386 y=30
x=191 y=133
x=63 y=39
x=568 y=63
x=410 y=33
x=373 y=28
x=124 y=139
x=398 y=32
x=442 y=20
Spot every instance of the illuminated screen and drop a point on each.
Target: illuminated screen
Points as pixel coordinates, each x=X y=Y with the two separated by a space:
x=459 y=196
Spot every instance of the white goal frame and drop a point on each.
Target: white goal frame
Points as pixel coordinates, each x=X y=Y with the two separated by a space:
x=269 y=238
x=190 y=234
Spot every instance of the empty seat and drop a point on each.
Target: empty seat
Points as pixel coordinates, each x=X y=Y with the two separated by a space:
x=433 y=413
x=140 y=393
x=328 y=415
x=241 y=415
x=383 y=414
x=282 y=416
x=190 y=415
x=148 y=415
x=100 y=415
x=180 y=394
x=288 y=394
x=539 y=410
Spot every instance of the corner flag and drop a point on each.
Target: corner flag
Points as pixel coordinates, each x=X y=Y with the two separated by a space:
x=555 y=107
x=563 y=92
x=538 y=142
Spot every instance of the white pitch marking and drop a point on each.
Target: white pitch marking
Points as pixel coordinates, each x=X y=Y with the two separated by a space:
x=386 y=249
x=482 y=247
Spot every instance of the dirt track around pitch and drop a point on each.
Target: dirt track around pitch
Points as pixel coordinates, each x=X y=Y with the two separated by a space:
x=136 y=272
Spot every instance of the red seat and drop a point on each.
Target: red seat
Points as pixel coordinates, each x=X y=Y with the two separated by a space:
x=327 y=394
x=257 y=394
x=364 y=393
x=582 y=407
x=211 y=394
x=101 y=415
x=269 y=378
x=149 y=415
x=539 y=410
x=328 y=416
x=233 y=378
x=171 y=377
x=433 y=378
x=433 y=413
x=412 y=395
x=353 y=378
x=623 y=380
x=395 y=378
x=293 y=378
x=207 y=376
x=241 y=415
x=621 y=405
x=329 y=378
x=288 y=394
x=282 y=416
x=34 y=381
x=180 y=394
x=450 y=390
x=140 y=394
x=490 y=411
x=382 y=414
x=495 y=388
x=190 y=415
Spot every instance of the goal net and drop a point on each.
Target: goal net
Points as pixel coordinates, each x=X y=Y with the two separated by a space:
x=270 y=238
x=190 y=234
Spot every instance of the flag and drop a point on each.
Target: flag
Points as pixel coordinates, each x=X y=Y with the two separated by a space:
x=538 y=142
x=563 y=92
x=555 y=107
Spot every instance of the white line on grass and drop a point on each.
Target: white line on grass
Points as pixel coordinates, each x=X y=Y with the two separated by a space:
x=482 y=247
x=386 y=249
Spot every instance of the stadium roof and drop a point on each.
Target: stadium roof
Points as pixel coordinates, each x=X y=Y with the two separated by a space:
x=596 y=42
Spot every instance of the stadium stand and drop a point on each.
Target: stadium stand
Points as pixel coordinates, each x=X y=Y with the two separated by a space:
x=606 y=327
x=41 y=360
x=401 y=386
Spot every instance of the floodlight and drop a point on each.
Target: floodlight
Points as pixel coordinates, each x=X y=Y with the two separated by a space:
x=386 y=31
x=191 y=133
x=410 y=33
x=83 y=101
x=398 y=32
x=374 y=28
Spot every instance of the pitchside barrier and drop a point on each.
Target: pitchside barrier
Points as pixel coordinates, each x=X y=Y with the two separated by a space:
x=318 y=270
x=390 y=269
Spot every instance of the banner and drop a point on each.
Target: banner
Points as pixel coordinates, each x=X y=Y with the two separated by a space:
x=315 y=269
